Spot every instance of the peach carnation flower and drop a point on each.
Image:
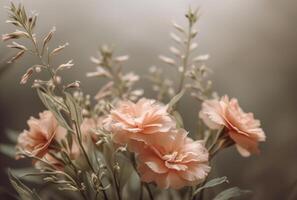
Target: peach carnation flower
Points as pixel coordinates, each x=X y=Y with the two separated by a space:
x=40 y=135
x=242 y=127
x=174 y=161
x=142 y=121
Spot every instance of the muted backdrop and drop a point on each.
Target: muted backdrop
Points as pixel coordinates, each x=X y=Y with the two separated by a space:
x=253 y=48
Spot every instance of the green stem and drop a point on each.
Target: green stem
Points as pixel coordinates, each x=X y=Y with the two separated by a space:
x=117 y=187
x=149 y=191
x=141 y=191
x=185 y=58
x=86 y=155
x=77 y=128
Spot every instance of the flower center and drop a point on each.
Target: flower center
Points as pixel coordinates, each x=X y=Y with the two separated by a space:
x=170 y=157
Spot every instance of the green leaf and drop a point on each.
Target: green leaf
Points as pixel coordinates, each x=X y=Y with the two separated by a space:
x=178 y=119
x=52 y=104
x=12 y=135
x=24 y=192
x=8 y=150
x=231 y=193
x=75 y=110
x=175 y=99
x=126 y=170
x=21 y=172
x=212 y=183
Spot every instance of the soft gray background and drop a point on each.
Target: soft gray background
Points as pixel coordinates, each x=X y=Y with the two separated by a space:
x=253 y=48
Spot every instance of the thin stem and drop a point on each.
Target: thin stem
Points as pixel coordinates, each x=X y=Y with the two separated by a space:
x=185 y=58
x=86 y=155
x=117 y=187
x=218 y=134
x=116 y=79
x=141 y=183
x=52 y=74
x=141 y=191
x=149 y=191
x=53 y=173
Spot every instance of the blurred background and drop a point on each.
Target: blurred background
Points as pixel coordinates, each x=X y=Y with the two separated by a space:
x=253 y=48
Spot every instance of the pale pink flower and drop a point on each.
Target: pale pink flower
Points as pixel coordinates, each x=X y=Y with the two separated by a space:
x=40 y=135
x=142 y=121
x=173 y=161
x=242 y=127
x=89 y=126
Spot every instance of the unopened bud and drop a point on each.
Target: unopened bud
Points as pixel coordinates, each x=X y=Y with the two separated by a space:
x=38 y=69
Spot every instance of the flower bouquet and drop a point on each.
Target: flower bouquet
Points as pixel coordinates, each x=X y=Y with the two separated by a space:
x=119 y=144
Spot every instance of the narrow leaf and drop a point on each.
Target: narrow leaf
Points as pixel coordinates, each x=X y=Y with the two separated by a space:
x=75 y=110
x=167 y=60
x=231 y=193
x=12 y=135
x=8 y=150
x=52 y=104
x=47 y=38
x=179 y=119
x=17 y=56
x=178 y=27
x=212 y=183
x=175 y=99
x=24 y=192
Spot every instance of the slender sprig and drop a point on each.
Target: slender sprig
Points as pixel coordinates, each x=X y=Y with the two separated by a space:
x=119 y=85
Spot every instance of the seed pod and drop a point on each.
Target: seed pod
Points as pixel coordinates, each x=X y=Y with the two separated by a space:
x=176 y=38
x=27 y=76
x=67 y=65
x=32 y=21
x=37 y=68
x=121 y=58
x=48 y=38
x=16 y=23
x=193 y=46
x=15 y=35
x=75 y=84
x=96 y=61
x=60 y=48
x=17 y=46
x=201 y=58
x=17 y=56
x=175 y=51
x=167 y=60
x=178 y=27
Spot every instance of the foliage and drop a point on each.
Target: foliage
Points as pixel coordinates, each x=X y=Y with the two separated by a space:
x=104 y=169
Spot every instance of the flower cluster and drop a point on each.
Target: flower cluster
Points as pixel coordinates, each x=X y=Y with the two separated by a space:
x=166 y=155
x=120 y=143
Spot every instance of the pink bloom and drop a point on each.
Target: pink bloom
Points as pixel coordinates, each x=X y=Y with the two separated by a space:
x=40 y=135
x=174 y=161
x=142 y=121
x=89 y=125
x=242 y=127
